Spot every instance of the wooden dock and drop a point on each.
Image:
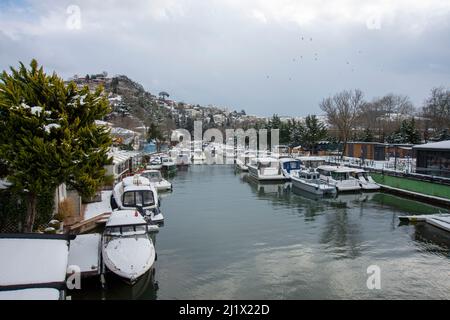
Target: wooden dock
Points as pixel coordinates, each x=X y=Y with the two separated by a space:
x=89 y=224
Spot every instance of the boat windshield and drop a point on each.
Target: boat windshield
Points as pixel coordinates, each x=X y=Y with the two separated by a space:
x=138 y=198
x=340 y=175
x=123 y=231
x=152 y=176
x=292 y=165
x=155 y=161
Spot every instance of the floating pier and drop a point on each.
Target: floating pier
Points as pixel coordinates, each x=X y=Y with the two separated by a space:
x=85 y=253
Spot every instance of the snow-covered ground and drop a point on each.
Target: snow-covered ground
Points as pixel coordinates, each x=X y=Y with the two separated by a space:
x=402 y=165
x=97 y=208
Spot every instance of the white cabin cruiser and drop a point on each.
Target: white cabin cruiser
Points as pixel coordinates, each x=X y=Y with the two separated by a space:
x=310 y=181
x=290 y=166
x=168 y=165
x=365 y=180
x=311 y=162
x=154 y=163
x=339 y=177
x=157 y=180
x=198 y=156
x=137 y=192
x=267 y=169
x=127 y=249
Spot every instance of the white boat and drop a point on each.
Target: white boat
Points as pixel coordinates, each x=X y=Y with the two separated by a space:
x=198 y=156
x=311 y=162
x=267 y=169
x=339 y=177
x=280 y=151
x=183 y=160
x=168 y=165
x=243 y=160
x=290 y=166
x=137 y=192
x=440 y=222
x=310 y=181
x=157 y=180
x=127 y=249
x=154 y=163
x=365 y=180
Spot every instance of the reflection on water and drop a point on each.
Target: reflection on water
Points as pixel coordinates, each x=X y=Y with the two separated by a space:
x=229 y=237
x=117 y=289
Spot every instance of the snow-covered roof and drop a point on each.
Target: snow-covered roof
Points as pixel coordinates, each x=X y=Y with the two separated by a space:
x=327 y=168
x=125 y=218
x=135 y=181
x=284 y=160
x=122 y=131
x=441 y=145
x=311 y=158
x=34 y=260
x=122 y=155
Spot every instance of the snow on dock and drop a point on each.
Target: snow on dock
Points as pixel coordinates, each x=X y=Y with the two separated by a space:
x=98 y=208
x=442 y=222
x=31 y=294
x=33 y=266
x=85 y=253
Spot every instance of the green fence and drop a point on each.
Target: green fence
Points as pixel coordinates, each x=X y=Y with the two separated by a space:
x=409 y=184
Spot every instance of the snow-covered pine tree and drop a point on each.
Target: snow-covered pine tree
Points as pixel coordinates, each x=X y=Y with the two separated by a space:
x=49 y=136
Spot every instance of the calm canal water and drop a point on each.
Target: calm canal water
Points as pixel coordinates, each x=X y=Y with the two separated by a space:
x=227 y=237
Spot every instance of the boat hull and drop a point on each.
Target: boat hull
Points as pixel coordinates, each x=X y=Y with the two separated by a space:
x=254 y=173
x=312 y=188
x=128 y=257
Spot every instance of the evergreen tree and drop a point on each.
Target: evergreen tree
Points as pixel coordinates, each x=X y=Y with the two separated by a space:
x=408 y=133
x=49 y=136
x=367 y=136
x=154 y=133
x=313 y=132
x=296 y=133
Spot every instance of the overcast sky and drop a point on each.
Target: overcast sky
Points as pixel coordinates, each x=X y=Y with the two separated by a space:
x=280 y=56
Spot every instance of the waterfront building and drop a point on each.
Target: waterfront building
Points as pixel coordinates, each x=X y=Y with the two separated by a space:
x=433 y=158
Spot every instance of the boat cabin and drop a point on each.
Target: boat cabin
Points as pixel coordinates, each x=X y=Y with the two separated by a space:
x=309 y=175
x=312 y=162
x=125 y=223
x=152 y=175
x=134 y=192
x=335 y=173
x=289 y=164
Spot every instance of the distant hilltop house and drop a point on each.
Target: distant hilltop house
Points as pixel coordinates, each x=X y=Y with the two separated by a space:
x=219 y=119
x=92 y=81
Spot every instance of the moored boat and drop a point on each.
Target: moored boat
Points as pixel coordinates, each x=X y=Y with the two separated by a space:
x=310 y=181
x=137 y=192
x=267 y=169
x=127 y=249
x=365 y=180
x=339 y=177
x=168 y=165
x=290 y=166
x=243 y=160
x=157 y=180
x=154 y=163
